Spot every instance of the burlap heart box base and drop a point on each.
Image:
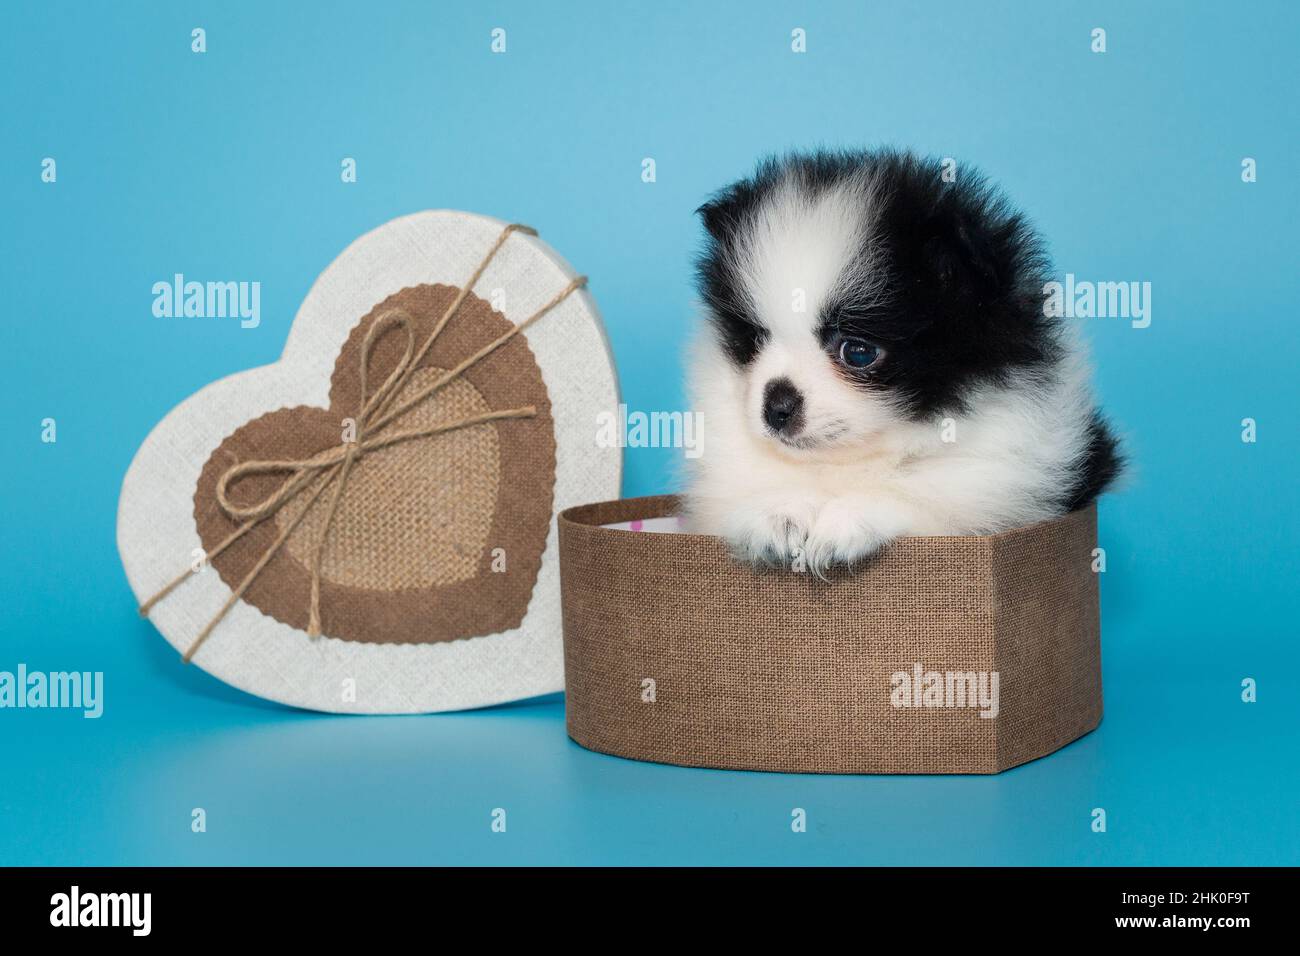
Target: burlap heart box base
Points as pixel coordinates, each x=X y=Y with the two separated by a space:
x=370 y=520
x=941 y=655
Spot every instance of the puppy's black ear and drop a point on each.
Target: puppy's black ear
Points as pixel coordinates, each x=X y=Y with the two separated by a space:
x=716 y=218
x=721 y=215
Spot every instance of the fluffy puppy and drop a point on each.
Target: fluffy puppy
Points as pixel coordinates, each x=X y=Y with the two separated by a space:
x=878 y=362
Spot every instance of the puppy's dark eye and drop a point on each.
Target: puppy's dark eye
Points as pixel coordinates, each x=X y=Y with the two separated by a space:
x=859 y=354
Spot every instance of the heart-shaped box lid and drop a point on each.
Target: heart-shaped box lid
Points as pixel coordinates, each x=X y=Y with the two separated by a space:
x=434 y=593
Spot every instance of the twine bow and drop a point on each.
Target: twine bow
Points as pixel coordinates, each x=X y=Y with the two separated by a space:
x=373 y=430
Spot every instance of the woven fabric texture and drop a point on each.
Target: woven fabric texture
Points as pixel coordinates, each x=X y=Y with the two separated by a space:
x=410 y=553
x=401 y=501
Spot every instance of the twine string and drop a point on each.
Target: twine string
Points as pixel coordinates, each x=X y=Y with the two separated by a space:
x=371 y=431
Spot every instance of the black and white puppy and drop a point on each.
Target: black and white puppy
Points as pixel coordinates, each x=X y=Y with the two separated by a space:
x=880 y=363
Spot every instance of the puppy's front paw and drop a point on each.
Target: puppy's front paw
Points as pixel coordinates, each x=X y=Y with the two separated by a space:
x=843 y=533
x=772 y=534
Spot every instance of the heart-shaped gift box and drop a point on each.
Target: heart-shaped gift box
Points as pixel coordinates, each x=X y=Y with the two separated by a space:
x=369 y=522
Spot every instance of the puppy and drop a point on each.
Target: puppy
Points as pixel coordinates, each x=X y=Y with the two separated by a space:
x=878 y=362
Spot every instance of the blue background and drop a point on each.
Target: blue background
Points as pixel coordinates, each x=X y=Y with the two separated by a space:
x=226 y=166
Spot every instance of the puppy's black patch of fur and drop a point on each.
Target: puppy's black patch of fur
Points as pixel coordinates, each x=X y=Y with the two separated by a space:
x=729 y=311
x=1100 y=466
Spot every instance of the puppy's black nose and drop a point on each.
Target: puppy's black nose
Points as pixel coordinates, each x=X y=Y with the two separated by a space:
x=782 y=406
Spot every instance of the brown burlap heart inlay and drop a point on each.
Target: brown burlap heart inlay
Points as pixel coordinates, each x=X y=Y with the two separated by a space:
x=432 y=539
